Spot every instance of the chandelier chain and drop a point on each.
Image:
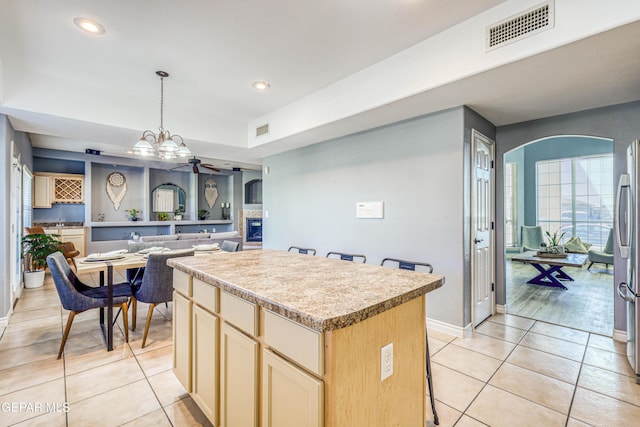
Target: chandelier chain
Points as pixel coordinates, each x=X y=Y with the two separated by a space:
x=161 y=104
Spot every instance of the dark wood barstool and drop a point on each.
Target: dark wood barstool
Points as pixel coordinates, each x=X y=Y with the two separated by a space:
x=428 y=268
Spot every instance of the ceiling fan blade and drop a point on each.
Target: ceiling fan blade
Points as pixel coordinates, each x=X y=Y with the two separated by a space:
x=210 y=167
x=180 y=166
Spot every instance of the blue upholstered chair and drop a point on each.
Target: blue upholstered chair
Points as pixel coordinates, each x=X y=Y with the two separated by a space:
x=426 y=268
x=605 y=256
x=156 y=285
x=306 y=251
x=531 y=237
x=230 y=246
x=347 y=257
x=77 y=297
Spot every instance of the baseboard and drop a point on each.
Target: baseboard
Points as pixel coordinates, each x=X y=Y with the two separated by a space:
x=4 y=321
x=501 y=309
x=447 y=328
x=619 y=335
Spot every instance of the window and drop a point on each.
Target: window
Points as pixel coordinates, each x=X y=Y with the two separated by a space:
x=510 y=199
x=575 y=195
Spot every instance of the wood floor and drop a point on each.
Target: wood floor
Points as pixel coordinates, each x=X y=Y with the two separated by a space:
x=587 y=304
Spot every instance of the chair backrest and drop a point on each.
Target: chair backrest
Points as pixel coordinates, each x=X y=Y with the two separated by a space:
x=347 y=257
x=35 y=230
x=306 y=251
x=157 y=281
x=230 y=246
x=608 y=247
x=407 y=265
x=531 y=237
x=67 y=284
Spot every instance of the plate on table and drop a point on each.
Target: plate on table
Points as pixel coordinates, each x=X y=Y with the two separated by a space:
x=103 y=258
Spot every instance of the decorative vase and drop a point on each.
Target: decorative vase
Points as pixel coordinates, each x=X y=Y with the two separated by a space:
x=558 y=249
x=177 y=217
x=33 y=279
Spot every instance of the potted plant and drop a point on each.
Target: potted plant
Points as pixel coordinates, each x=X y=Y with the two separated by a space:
x=177 y=215
x=163 y=216
x=133 y=214
x=203 y=213
x=35 y=249
x=554 y=242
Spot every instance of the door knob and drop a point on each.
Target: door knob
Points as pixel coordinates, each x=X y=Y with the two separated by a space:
x=477 y=240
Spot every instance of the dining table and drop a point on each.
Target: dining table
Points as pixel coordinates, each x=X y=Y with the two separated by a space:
x=95 y=264
x=107 y=265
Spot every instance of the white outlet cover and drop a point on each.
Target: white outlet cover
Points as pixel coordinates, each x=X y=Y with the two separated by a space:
x=386 y=361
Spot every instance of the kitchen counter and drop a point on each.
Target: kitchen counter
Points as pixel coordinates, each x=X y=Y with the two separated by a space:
x=321 y=293
x=268 y=337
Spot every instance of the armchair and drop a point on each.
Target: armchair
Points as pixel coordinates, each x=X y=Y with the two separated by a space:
x=605 y=256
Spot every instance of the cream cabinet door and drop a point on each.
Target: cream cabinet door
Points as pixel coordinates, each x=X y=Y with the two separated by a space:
x=182 y=340
x=75 y=236
x=238 y=379
x=290 y=396
x=41 y=191
x=204 y=380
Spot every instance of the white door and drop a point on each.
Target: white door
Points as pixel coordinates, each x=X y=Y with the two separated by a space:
x=16 y=225
x=482 y=241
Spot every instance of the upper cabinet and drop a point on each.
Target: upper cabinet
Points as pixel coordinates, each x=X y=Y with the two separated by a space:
x=51 y=188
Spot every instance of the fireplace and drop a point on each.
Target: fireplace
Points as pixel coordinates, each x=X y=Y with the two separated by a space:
x=253 y=231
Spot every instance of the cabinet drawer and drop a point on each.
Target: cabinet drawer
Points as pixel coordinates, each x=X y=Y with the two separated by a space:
x=182 y=283
x=240 y=313
x=72 y=232
x=299 y=343
x=205 y=295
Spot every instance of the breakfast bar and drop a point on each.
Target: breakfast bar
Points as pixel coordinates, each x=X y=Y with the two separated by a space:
x=270 y=338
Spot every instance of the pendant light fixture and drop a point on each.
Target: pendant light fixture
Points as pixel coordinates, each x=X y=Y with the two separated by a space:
x=162 y=144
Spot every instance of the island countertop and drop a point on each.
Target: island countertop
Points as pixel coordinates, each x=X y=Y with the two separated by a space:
x=321 y=293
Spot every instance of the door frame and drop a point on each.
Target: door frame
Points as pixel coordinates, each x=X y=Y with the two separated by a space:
x=475 y=136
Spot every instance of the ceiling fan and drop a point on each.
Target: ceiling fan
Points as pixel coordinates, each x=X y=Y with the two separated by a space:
x=196 y=164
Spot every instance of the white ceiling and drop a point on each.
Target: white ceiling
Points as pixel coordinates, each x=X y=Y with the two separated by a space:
x=73 y=91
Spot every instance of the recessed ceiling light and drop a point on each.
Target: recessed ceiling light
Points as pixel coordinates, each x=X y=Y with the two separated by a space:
x=89 y=25
x=261 y=85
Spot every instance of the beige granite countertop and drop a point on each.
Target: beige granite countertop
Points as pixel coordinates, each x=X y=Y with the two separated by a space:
x=321 y=293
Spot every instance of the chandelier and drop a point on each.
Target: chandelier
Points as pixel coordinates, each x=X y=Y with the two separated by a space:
x=163 y=144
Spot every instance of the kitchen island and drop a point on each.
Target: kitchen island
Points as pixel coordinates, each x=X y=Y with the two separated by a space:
x=274 y=338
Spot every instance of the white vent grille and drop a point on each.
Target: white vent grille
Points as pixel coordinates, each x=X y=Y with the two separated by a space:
x=528 y=23
x=262 y=130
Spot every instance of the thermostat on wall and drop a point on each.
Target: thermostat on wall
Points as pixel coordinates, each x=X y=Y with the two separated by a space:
x=370 y=210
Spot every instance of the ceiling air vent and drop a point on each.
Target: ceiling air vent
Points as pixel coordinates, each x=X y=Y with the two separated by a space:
x=262 y=130
x=528 y=23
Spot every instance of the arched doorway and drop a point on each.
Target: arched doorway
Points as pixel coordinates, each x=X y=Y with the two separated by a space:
x=563 y=183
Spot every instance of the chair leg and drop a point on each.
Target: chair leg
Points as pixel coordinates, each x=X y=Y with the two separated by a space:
x=125 y=321
x=146 y=328
x=134 y=303
x=73 y=261
x=590 y=265
x=430 y=381
x=72 y=314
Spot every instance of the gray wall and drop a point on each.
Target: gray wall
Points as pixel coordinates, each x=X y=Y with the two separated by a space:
x=619 y=122
x=415 y=167
x=6 y=136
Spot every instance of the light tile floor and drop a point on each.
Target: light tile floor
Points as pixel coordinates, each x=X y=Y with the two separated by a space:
x=514 y=371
